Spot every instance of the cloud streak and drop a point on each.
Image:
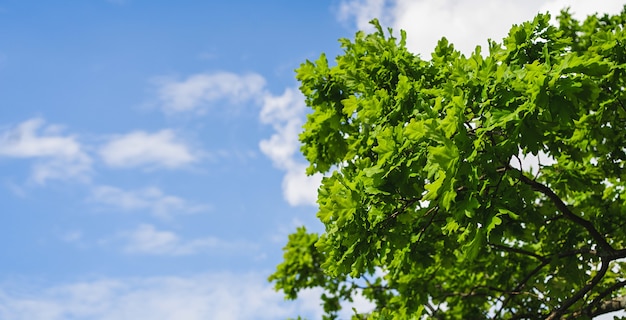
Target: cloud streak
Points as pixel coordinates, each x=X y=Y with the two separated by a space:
x=151 y=199
x=146 y=239
x=57 y=156
x=139 y=148
x=223 y=296
x=199 y=91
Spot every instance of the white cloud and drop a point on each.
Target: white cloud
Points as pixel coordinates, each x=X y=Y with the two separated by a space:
x=223 y=296
x=285 y=113
x=150 y=198
x=200 y=90
x=464 y=23
x=139 y=148
x=146 y=239
x=287 y=107
x=58 y=156
x=300 y=189
x=582 y=8
x=282 y=146
x=363 y=11
x=359 y=303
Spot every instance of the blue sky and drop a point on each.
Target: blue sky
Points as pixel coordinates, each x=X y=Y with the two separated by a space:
x=149 y=164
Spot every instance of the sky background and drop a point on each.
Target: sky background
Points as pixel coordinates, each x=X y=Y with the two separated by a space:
x=149 y=164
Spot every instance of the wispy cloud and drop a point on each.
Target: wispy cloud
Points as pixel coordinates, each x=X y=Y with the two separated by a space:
x=285 y=113
x=224 y=296
x=362 y=11
x=146 y=239
x=151 y=199
x=57 y=156
x=72 y=236
x=140 y=148
x=75 y=237
x=200 y=90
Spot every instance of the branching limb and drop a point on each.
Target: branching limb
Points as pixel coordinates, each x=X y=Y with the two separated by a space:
x=598 y=306
x=612 y=305
x=556 y=314
x=617 y=254
x=561 y=206
x=520 y=286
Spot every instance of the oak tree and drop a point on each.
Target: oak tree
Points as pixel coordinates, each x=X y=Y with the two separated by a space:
x=429 y=207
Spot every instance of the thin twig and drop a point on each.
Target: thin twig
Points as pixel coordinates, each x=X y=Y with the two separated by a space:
x=518 y=250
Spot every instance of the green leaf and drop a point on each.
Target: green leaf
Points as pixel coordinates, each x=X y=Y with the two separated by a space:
x=415 y=130
x=423 y=206
x=350 y=105
x=495 y=221
x=472 y=249
x=433 y=187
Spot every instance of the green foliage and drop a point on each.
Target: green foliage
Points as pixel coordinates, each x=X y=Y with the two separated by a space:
x=427 y=209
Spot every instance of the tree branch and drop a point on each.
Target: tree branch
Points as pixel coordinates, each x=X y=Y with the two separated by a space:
x=518 y=250
x=612 y=305
x=401 y=210
x=520 y=286
x=617 y=254
x=561 y=206
x=432 y=217
x=606 y=306
x=556 y=314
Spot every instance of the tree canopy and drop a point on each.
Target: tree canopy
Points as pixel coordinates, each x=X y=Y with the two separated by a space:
x=428 y=205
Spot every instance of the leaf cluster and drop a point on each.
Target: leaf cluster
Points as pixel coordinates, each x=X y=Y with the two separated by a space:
x=426 y=186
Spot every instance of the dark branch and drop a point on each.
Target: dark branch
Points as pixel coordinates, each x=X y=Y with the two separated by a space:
x=576 y=252
x=403 y=208
x=520 y=286
x=556 y=314
x=430 y=221
x=617 y=254
x=561 y=206
x=600 y=306
x=610 y=306
x=518 y=250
